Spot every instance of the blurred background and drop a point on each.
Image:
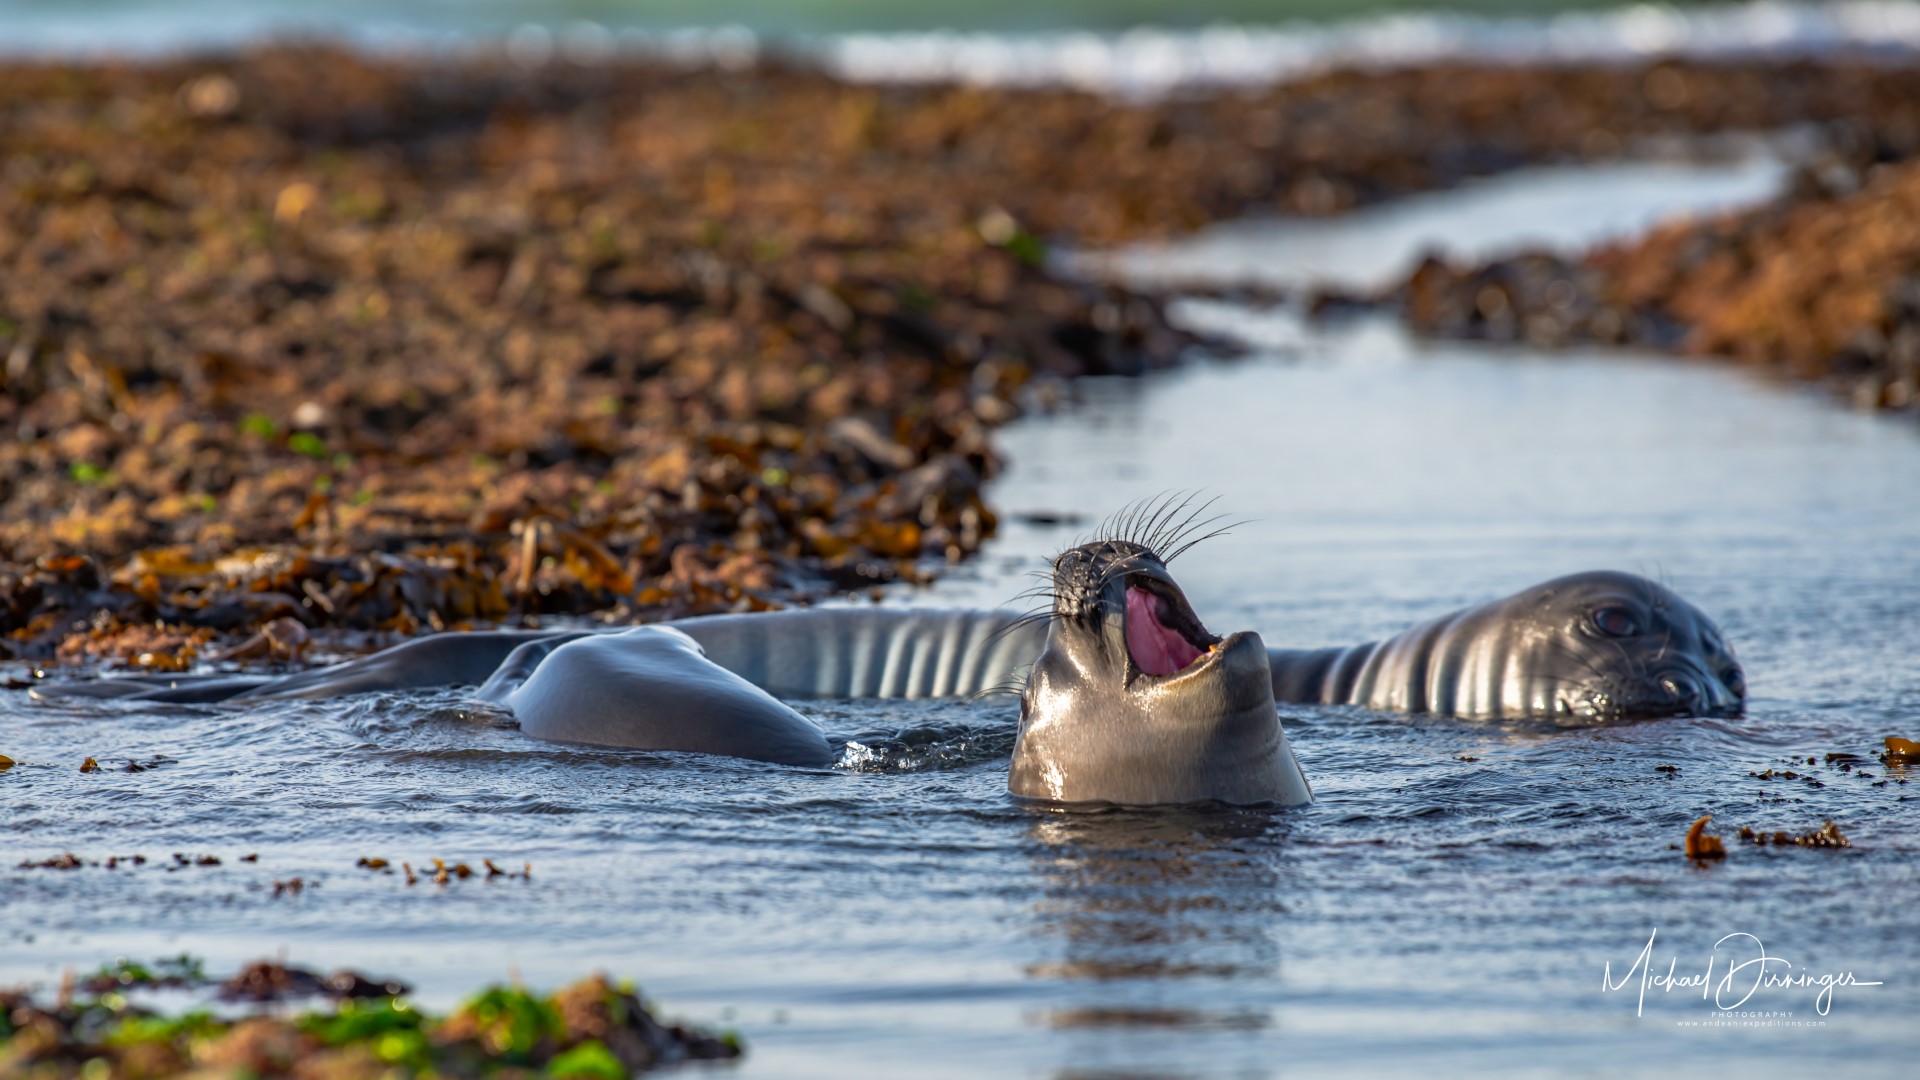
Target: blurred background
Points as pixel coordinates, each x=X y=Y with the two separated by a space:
x=65 y=21
x=154 y=24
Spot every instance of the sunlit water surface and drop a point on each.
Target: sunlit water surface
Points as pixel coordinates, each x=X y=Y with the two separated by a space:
x=1448 y=905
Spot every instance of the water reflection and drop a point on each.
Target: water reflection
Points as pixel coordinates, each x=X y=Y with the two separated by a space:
x=1153 y=924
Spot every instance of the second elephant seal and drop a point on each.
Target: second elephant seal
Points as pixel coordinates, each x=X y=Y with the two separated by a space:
x=1582 y=649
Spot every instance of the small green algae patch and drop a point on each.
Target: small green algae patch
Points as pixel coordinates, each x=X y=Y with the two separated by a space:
x=592 y=1029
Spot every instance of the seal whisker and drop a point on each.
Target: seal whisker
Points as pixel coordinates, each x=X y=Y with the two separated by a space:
x=1014 y=685
x=1169 y=509
x=1187 y=531
x=1219 y=532
x=1039 y=615
x=1165 y=526
x=1140 y=520
x=1666 y=635
x=1634 y=666
x=1173 y=533
x=1120 y=568
x=1147 y=519
x=1129 y=517
x=1584 y=660
x=1122 y=525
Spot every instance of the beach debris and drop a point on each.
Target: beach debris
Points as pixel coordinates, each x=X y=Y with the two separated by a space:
x=273 y=981
x=65 y=861
x=283 y=639
x=1900 y=752
x=70 y=861
x=444 y=872
x=1826 y=836
x=1702 y=846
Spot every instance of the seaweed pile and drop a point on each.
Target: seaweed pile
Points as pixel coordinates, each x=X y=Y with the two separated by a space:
x=308 y=339
x=590 y=1029
x=1823 y=285
x=384 y=348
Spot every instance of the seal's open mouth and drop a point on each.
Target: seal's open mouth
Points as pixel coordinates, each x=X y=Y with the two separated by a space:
x=1163 y=634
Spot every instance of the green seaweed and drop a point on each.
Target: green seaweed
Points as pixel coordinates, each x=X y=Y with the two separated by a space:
x=511 y=1021
x=137 y=1029
x=590 y=1059
x=306 y=442
x=591 y=1031
x=259 y=424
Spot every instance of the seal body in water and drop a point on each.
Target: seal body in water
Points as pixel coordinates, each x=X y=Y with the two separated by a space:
x=1118 y=665
x=708 y=684
x=705 y=685
x=1134 y=702
x=1586 y=648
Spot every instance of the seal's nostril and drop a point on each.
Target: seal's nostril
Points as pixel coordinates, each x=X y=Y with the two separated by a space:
x=1680 y=688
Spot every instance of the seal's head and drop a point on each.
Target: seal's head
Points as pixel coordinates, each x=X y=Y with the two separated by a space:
x=1597 y=647
x=1135 y=702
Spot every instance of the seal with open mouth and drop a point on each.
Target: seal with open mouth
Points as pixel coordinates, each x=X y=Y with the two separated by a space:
x=1134 y=702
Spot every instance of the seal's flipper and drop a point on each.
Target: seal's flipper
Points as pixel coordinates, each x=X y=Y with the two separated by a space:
x=182 y=689
x=651 y=688
x=437 y=660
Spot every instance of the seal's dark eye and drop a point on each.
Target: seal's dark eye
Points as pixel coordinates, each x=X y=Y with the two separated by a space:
x=1615 y=622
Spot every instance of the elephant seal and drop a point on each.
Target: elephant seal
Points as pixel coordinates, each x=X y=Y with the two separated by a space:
x=703 y=685
x=1134 y=702
x=1583 y=649
x=706 y=684
x=803 y=653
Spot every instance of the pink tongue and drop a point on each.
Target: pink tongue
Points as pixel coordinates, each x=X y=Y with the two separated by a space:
x=1156 y=649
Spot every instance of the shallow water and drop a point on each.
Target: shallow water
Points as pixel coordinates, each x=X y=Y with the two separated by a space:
x=1449 y=903
x=1550 y=208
